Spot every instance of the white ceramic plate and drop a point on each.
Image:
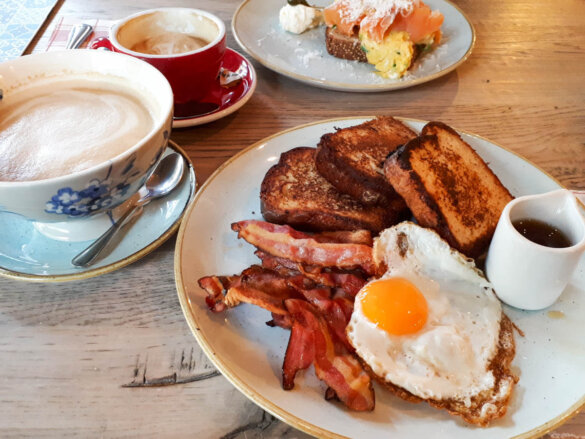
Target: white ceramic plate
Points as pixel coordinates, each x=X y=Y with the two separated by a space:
x=550 y=359
x=304 y=57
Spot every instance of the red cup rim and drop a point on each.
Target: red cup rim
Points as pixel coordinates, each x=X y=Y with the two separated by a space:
x=114 y=31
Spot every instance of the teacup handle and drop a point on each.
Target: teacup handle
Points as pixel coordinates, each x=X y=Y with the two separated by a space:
x=101 y=43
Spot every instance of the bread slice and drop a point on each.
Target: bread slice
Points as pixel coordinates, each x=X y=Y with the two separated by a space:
x=294 y=193
x=351 y=48
x=351 y=159
x=342 y=46
x=448 y=187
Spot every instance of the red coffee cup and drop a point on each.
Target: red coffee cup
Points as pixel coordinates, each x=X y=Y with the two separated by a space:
x=186 y=45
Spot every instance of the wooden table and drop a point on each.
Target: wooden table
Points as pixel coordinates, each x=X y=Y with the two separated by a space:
x=69 y=350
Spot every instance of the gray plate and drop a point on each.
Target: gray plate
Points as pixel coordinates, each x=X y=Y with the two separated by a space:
x=304 y=57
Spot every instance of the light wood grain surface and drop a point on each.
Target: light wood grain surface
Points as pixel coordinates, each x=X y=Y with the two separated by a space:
x=79 y=359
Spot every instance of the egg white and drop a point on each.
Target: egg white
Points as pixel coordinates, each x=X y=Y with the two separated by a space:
x=449 y=357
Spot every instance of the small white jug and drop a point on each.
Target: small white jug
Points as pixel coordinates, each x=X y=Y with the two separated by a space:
x=527 y=275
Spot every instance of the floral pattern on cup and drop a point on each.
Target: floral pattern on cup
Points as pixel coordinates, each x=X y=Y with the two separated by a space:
x=100 y=194
x=97 y=195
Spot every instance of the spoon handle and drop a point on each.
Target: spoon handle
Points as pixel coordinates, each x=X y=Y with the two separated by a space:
x=78 y=35
x=89 y=255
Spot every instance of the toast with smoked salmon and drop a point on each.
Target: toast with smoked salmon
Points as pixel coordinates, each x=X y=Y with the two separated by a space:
x=390 y=35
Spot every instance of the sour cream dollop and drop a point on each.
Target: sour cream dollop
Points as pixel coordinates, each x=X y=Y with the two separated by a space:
x=297 y=19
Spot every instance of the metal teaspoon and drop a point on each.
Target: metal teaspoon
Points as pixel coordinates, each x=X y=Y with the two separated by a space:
x=78 y=35
x=163 y=180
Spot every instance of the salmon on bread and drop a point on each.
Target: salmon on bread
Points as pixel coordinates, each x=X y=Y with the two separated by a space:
x=389 y=34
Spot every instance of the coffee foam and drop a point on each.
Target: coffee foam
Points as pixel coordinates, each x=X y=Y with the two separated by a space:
x=157 y=24
x=169 y=43
x=57 y=127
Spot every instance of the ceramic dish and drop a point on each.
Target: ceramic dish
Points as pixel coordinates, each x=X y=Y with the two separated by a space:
x=224 y=101
x=36 y=252
x=550 y=358
x=303 y=57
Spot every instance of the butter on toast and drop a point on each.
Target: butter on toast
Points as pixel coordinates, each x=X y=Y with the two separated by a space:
x=294 y=193
x=448 y=187
x=351 y=159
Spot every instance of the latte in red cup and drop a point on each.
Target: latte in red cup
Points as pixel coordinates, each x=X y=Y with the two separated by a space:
x=186 y=45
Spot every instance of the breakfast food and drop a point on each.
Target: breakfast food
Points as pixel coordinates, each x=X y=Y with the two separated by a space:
x=427 y=325
x=431 y=328
x=389 y=34
x=351 y=159
x=57 y=127
x=448 y=187
x=293 y=192
x=299 y=18
x=406 y=308
x=307 y=282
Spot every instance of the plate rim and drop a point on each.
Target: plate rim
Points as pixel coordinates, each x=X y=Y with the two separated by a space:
x=341 y=86
x=53 y=278
x=244 y=387
x=221 y=113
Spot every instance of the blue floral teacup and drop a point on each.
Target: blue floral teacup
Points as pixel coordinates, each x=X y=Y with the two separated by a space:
x=73 y=186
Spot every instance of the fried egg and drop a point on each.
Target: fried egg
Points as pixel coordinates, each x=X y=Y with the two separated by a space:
x=430 y=324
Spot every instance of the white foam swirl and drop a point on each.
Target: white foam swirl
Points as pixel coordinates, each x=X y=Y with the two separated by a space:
x=67 y=129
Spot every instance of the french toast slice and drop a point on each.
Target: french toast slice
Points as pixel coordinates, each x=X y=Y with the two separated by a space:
x=343 y=46
x=351 y=159
x=294 y=193
x=448 y=187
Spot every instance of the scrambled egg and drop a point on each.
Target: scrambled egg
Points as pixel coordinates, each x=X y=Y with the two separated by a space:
x=391 y=57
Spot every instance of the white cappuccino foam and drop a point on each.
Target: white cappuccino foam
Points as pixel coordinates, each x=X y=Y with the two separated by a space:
x=169 y=43
x=55 y=128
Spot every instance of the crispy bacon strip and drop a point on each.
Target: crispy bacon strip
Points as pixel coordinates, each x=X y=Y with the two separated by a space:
x=215 y=286
x=337 y=313
x=307 y=288
x=256 y=285
x=300 y=352
x=283 y=241
x=346 y=236
x=277 y=263
x=311 y=339
x=351 y=281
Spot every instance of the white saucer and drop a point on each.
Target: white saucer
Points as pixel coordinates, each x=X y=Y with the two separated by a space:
x=42 y=252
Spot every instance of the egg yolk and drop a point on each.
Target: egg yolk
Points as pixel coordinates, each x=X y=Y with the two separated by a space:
x=395 y=305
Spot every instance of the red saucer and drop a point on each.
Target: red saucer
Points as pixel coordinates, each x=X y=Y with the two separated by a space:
x=220 y=101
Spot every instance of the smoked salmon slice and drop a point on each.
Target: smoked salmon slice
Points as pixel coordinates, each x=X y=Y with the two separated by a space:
x=378 y=18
